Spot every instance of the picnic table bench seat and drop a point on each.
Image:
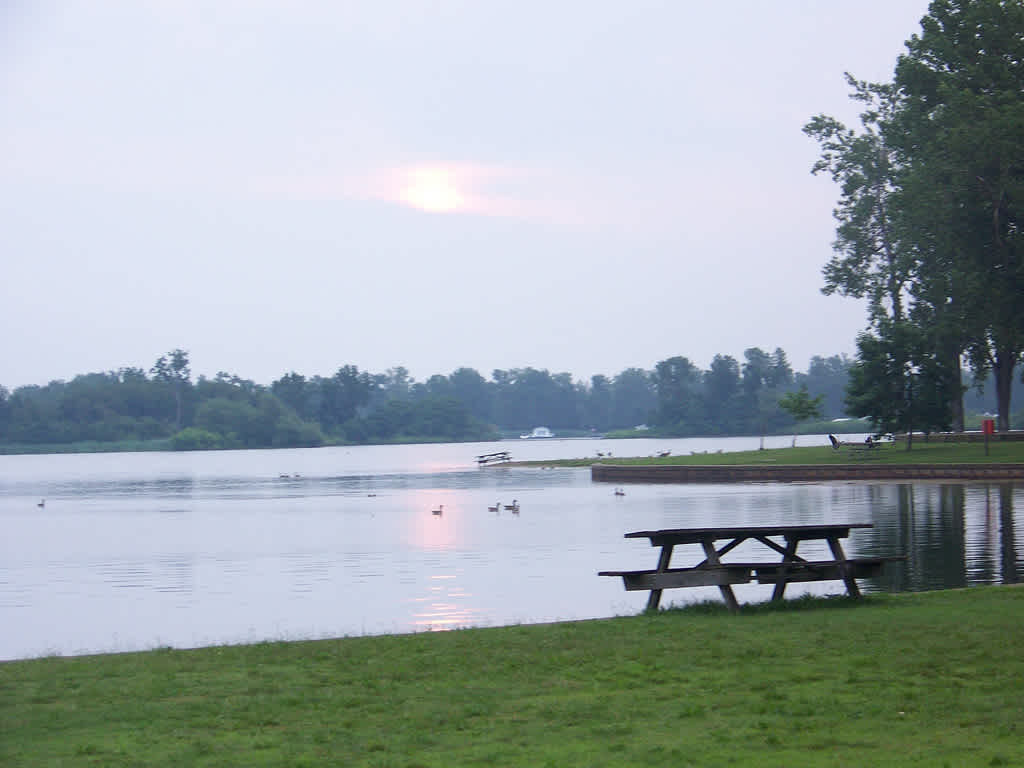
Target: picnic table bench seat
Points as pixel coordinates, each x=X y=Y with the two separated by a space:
x=744 y=573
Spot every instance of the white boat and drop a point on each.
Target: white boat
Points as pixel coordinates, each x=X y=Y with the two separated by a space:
x=538 y=432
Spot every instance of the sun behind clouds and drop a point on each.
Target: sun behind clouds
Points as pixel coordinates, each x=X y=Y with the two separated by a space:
x=432 y=189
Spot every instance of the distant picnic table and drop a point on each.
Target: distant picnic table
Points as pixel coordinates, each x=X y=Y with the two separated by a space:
x=858 y=450
x=493 y=458
x=713 y=571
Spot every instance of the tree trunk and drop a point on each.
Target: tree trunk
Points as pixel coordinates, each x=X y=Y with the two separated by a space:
x=956 y=412
x=910 y=417
x=956 y=405
x=1002 y=368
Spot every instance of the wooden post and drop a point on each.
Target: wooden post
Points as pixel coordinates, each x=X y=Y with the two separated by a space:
x=787 y=557
x=844 y=568
x=663 y=561
x=726 y=589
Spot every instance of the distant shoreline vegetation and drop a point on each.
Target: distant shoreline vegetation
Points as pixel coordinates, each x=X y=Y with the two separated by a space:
x=164 y=409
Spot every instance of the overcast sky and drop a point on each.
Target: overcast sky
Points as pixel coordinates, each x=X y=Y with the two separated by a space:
x=580 y=186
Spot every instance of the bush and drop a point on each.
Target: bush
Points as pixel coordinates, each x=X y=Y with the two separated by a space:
x=195 y=439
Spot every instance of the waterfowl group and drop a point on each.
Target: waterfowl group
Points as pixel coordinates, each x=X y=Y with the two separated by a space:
x=513 y=508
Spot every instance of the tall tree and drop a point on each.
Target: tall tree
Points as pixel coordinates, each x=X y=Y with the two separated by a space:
x=721 y=394
x=599 y=402
x=469 y=387
x=677 y=383
x=870 y=260
x=173 y=370
x=633 y=398
x=962 y=83
x=292 y=389
x=341 y=397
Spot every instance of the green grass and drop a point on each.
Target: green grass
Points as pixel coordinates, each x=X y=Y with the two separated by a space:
x=895 y=453
x=928 y=679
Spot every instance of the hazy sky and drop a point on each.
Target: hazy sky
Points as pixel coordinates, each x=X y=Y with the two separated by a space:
x=581 y=186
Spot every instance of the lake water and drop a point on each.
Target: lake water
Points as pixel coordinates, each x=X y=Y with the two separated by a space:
x=140 y=550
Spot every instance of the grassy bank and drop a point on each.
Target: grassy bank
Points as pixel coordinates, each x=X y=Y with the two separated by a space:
x=893 y=453
x=918 y=679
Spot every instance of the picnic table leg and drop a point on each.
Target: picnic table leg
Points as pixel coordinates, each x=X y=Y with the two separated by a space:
x=663 y=560
x=726 y=589
x=788 y=557
x=844 y=568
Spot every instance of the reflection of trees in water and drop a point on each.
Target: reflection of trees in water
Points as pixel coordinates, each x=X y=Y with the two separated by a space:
x=1008 y=539
x=953 y=535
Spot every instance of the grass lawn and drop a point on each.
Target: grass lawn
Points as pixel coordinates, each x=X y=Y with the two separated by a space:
x=891 y=453
x=929 y=679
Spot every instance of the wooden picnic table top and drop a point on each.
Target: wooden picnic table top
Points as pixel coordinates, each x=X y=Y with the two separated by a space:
x=697 y=535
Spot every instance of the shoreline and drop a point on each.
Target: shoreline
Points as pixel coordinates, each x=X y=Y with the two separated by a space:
x=725 y=473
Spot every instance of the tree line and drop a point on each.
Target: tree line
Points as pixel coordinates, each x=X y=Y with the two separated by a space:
x=675 y=398
x=930 y=218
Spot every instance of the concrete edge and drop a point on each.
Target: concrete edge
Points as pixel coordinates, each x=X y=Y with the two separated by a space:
x=722 y=473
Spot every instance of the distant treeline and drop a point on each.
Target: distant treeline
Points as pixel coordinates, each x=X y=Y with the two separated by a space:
x=674 y=399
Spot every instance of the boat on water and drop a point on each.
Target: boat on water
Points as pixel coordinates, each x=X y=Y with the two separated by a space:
x=537 y=433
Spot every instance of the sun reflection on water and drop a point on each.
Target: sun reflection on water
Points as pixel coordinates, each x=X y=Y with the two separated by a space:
x=442 y=609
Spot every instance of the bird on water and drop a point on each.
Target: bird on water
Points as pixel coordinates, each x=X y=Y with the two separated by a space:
x=438 y=511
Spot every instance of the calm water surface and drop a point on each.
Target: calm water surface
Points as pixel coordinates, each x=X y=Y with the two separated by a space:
x=135 y=551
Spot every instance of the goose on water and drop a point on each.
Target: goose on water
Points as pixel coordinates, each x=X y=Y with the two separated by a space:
x=438 y=511
x=495 y=508
x=514 y=506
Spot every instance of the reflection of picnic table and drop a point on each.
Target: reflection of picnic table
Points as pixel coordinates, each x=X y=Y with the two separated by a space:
x=493 y=458
x=712 y=571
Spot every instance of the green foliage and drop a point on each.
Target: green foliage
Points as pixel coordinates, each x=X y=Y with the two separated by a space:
x=963 y=79
x=721 y=395
x=932 y=200
x=828 y=376
x=195 y=439
x=800 y=405
x=355 y=407
x=897 y=383
x=677 y=383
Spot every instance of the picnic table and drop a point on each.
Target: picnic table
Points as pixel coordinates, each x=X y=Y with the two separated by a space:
x=713 y=571
x=865 y=450
x=497 y=457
